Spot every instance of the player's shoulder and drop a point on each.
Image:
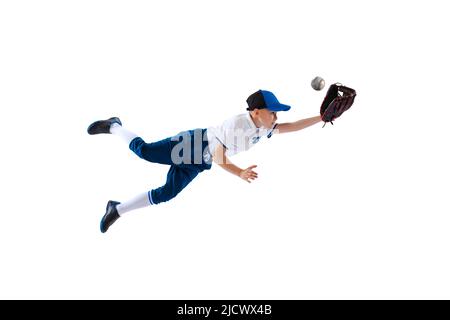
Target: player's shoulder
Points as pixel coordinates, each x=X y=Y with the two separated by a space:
x=239 y=120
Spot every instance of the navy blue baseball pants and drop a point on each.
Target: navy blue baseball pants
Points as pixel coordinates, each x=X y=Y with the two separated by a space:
x=187 y=154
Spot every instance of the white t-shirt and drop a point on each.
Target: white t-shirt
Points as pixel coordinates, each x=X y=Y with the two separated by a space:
x=236 y=134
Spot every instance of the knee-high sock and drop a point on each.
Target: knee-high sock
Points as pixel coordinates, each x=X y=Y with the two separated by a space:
x=140 y=201
x=120 y=131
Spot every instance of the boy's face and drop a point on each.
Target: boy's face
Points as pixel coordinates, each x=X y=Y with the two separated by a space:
x=264 y=117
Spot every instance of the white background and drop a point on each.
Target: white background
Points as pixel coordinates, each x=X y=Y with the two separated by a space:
x=354 y=210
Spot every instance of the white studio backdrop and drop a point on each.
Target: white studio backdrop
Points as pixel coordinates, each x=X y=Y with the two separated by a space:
x=357 y=210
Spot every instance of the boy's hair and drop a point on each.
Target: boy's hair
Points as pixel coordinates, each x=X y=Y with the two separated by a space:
x=256 y=101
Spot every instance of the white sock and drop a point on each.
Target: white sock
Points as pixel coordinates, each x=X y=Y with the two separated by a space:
x=140 y=201
x=120 y=131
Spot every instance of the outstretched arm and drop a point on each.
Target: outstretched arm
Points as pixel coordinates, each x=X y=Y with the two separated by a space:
x=222 y=160
x=297 y=125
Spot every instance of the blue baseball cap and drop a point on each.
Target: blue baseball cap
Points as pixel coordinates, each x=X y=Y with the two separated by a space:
x=263 y=99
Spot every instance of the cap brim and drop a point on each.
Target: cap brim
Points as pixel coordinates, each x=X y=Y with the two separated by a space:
x=278 y=107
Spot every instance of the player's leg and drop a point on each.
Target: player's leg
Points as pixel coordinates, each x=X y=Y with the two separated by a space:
x=111 y=126
x=158 y=152
x=115 y=209
x=185 y=148
x=126 y=135
x=177 y=179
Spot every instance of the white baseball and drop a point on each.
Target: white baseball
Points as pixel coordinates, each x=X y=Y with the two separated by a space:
x=318 y=83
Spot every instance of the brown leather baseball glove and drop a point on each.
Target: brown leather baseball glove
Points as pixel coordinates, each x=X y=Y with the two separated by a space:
x=337 y=100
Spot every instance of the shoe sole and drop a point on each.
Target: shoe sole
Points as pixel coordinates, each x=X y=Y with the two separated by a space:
x=111 y=120
x=110 y=203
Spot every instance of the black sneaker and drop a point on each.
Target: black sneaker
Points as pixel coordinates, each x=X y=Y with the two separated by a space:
x=102 y=126
x=110 y=216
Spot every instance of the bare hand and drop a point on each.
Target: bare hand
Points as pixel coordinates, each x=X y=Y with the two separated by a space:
x=248 y=174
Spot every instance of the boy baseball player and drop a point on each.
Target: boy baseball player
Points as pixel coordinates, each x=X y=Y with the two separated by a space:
x=191 y=152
